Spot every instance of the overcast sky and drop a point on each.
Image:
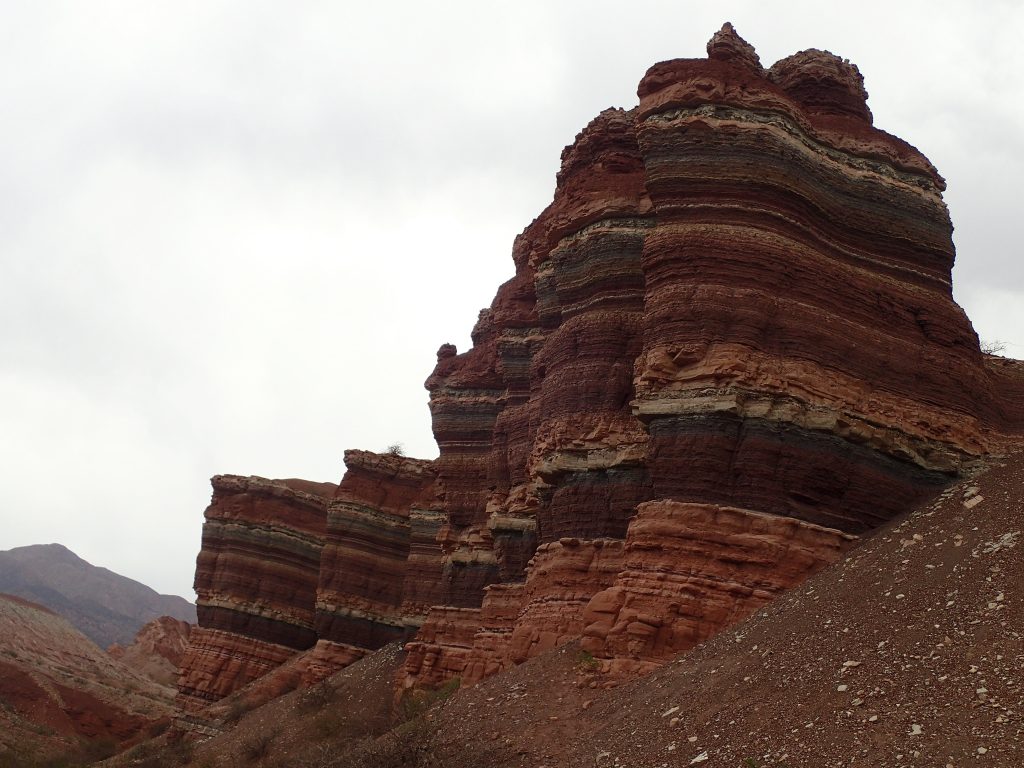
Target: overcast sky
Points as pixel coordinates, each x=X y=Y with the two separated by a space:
x=234 y=234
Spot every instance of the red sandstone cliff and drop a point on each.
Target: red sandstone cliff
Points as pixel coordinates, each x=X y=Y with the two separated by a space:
x=729 y=348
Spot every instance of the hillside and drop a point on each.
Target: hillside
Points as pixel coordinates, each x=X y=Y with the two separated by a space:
x=61 y=695
x=105 y=606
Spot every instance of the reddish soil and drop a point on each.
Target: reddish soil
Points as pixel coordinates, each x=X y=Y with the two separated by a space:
x=60 y=694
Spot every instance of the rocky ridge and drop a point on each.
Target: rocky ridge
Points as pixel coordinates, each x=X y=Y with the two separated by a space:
x=732 y=331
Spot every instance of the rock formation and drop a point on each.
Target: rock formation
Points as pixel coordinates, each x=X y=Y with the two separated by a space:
x=310 y=573
x=256 y=580
x=157 y=650
x=736 y=317
x=729 y=348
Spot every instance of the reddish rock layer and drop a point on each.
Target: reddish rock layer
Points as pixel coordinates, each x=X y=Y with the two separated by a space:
x=691 y=570
x=739 y=298
x=256 y=581
x=361 y=600
x=218 y=662
x=157 y=650
x=516 y=621
x=736 y=316
x=289 y=567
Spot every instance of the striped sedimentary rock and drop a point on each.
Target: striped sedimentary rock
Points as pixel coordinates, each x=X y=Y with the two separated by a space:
x=256 y=581
x=361 y=599
x=293 y=569
x=689 y=571
x=735 y=316
x=739 y=302
x=799 y=326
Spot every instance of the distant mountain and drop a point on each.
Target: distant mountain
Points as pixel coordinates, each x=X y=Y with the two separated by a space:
x=105 y=606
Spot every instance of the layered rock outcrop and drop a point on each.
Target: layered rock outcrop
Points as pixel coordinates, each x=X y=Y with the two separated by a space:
x=256 y=581
x=730 y=347
x=736 y=316
x=367 y=595
x=324 y=572
x=157 y=650
x=691 y=570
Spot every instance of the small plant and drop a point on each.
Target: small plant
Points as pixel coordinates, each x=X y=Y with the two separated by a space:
x=236 y=709
x=328 y=723
x=395 y=449
x=994 y=347
x=258 y=746
x=586 y=662
x=415 y=702
x=317 y=696
x=100 y=749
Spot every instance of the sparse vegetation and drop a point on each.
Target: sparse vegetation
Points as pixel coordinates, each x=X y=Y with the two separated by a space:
x=317 y=697
x=236 y=709
x=586 y=662
x=258 y=746
x=98 y=749
x=395 y=449
x=994 y=347
x=414 y=703
x=328 y=723
x=156 y=755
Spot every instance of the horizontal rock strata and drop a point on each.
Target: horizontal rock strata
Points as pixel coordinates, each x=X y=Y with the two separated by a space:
x=256 y=581
x=735 y=316
x=691 y=570
x=739 y=302
x=310 y=574
x=361 y=600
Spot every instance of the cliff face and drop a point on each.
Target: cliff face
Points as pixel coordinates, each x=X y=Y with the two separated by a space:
x=729 y=348
x=256 y=580
x=367 y=594
x=291 y=568
x=736 y=317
